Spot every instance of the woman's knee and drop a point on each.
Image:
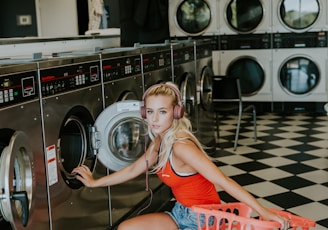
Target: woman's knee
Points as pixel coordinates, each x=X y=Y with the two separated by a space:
x=125 y=225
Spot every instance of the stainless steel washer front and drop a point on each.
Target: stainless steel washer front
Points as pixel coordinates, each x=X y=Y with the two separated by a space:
x=23 y=183
x=71 y=100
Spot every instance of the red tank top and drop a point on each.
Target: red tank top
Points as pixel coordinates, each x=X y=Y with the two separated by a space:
x=191 y=189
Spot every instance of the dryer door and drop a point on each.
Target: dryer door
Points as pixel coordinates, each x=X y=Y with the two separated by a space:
x=251 y=73
x=244 y=16
x=120 y=135
x=299 y=16
x=193 y=17
x=299 y=76
x=206 y=88
x=16 y=180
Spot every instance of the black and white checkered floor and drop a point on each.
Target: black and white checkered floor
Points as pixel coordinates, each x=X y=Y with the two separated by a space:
x=286 y=168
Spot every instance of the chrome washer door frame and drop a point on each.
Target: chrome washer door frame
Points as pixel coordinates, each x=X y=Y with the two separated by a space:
x=105 y=123
x=16 y=169
x=206 y=88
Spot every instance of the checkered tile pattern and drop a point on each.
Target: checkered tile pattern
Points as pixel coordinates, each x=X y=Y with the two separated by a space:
x=286 y=168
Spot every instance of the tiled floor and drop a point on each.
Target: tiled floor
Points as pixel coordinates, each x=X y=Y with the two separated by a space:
x=286 y=168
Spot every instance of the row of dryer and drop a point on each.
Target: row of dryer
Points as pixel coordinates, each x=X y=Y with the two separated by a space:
x=277 y=68
x=228 y=17
x=277 y=47
x=60 y=112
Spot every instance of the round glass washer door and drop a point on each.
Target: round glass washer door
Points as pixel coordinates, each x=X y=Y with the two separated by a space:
x=16 y=180
x=188 y=92
x=299 y=16
x=120 y=134
x=193 y=16
x=206 y=88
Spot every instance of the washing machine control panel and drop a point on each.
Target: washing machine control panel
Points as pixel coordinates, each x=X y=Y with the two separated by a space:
x=59 y=79
x=17 y=88
x=245 y=41
x=204 y=51
x=183 y=55
x=156 y=60
x=118 y=68
x=303 y=40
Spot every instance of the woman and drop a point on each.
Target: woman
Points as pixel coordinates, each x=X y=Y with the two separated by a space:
x=180 y=162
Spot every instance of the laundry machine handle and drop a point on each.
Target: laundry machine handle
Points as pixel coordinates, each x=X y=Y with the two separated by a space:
x=22 y=197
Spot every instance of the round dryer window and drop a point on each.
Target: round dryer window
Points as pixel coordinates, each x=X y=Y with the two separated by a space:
x=299 y=15
x=244 y=16
x=250 y=72
x=193 y=16
x=299 y=76
x=120 y=134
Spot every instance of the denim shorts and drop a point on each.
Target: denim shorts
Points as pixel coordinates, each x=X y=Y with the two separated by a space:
x=184 y=217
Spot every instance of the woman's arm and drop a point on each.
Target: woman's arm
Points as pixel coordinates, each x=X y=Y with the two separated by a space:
x=127 y=173
x=191 y=156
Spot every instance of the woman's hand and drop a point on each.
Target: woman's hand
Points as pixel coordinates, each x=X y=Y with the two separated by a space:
x=284 y=222
x=84 y=175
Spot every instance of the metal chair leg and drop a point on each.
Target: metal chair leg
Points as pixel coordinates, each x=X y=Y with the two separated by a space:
x=238 y=128
x=254 y=122
x=217 y=126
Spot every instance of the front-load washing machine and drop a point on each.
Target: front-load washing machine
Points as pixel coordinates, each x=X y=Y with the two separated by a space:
x=300 y=74
x=71 y=96
x=248 y=57
x=23 y=181
x=156 y=64
x=122 y=75
x=184 y=70
x=299 y=16
x=189 y=18
x=204 y=77
x=122 y=79
x=244 y=17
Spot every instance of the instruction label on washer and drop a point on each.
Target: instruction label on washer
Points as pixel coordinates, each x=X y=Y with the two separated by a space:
x=52 y=165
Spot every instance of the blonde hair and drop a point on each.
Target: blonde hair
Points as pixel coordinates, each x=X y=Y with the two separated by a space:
x=182 y=125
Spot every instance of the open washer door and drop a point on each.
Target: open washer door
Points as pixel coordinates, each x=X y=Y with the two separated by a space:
x=120 y=134
x=16 y=180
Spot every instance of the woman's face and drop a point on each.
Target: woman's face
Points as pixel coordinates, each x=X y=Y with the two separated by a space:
x=159 y=113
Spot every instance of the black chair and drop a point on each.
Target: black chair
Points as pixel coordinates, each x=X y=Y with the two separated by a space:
x=227 y=97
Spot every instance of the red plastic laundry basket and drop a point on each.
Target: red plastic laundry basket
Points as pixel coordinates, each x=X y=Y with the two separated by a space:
x=237 y=216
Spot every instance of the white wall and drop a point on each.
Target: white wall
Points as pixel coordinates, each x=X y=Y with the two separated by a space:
x=57 y=18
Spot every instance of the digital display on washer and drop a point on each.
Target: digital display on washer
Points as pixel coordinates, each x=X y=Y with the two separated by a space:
x=17 y=88
x=156 y=60
x=204 y=51
x=183 y=55
x=65 y=78
x=118 y=68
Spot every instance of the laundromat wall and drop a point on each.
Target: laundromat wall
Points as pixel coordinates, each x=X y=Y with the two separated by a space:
x=261 y=41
